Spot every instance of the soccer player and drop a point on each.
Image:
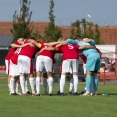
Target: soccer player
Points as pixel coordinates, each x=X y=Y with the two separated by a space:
x=44 y=60
x=14 y=72
x=14 y=46
x=92 y=64
x=25 y=65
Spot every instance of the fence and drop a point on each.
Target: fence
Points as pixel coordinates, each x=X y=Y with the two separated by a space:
x=109 y=71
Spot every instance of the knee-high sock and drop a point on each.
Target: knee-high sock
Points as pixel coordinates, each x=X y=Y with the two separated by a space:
x=88 y=83
x=45 y=84
x=71 y=84
x=35 y=83
x=31 y=81
x=26 y=84
x=12 y=85
x=75 y=77
x=38 y=85
x=92 y=85
x=95 y=83
x=62 y=83
x=22 y=83
x=50 y=84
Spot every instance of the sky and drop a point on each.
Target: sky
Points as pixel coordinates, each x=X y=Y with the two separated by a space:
x=101 y=12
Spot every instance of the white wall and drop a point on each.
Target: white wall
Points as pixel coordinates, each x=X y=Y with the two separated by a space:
x=107 y=50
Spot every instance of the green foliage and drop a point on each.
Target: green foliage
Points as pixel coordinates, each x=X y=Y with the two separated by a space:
x=97 y=34
x=22 y=27
x=52 y=32
x=86 y=30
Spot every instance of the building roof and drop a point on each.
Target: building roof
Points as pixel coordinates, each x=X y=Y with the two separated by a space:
x=5 y=41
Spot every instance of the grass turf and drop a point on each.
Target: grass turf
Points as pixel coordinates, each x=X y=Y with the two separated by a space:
x=59 y=106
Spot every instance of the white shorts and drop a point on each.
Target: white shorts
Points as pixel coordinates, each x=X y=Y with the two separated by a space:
x=70 y=70
x=25 y=64
x=43 y=62
x=14 y=71
x=7 y=62
x=66 y=64
x=84 y=68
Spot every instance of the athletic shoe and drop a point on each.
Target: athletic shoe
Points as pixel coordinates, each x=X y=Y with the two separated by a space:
x=18 y=93
x=25 y=94
x=28 y=93
x=82 y=92
x=86 y=94
x=13 y=94
x=37 y=95
x=50 y=94
x=75 y=94
x=33 y=94
x=61 y=94
x=58 y=93
x=93 y=94
x=69 y=93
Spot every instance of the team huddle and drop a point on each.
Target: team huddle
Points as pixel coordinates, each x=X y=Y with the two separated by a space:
x=34 y=59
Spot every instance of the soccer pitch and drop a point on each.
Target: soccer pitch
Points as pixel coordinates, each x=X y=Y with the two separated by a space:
x=59 y=106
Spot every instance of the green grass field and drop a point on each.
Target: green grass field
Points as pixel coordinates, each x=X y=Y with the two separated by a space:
x=59 y=106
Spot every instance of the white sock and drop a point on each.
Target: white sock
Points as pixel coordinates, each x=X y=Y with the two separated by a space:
x=85 y=88
x=26 y=84
x=75 y=77
x=62 y=83
x=22 y=83
x=41 y=81
x=38 y=85
x=31 y=81
x=71 y=84
x=45 y=84
x=17 y=87
x=12 y=85
x=35 y=83
x=50 y=84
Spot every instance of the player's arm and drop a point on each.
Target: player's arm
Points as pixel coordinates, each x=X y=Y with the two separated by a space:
x=13 y=45
x=61 y=44
x=49 y=48
x=51 y=43
x=71 y=41
x=26 y=44
x=91 y=41
x=36 y=43
x=86 y=47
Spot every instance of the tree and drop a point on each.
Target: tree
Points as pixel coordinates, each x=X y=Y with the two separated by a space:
x=52 y=32
x=22 y=27
x=97 y=34
x=86 y=29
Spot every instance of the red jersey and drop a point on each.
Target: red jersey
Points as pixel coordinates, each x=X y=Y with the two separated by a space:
x=11 y=52
x=70 y=51
x=28 y=50
x=48 y=53
x=14 y=58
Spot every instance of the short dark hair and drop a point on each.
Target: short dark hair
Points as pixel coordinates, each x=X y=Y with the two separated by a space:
x=77 y=36
x=32 y=38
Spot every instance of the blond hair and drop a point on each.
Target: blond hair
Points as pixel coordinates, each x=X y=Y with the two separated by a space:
x=61 y=39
